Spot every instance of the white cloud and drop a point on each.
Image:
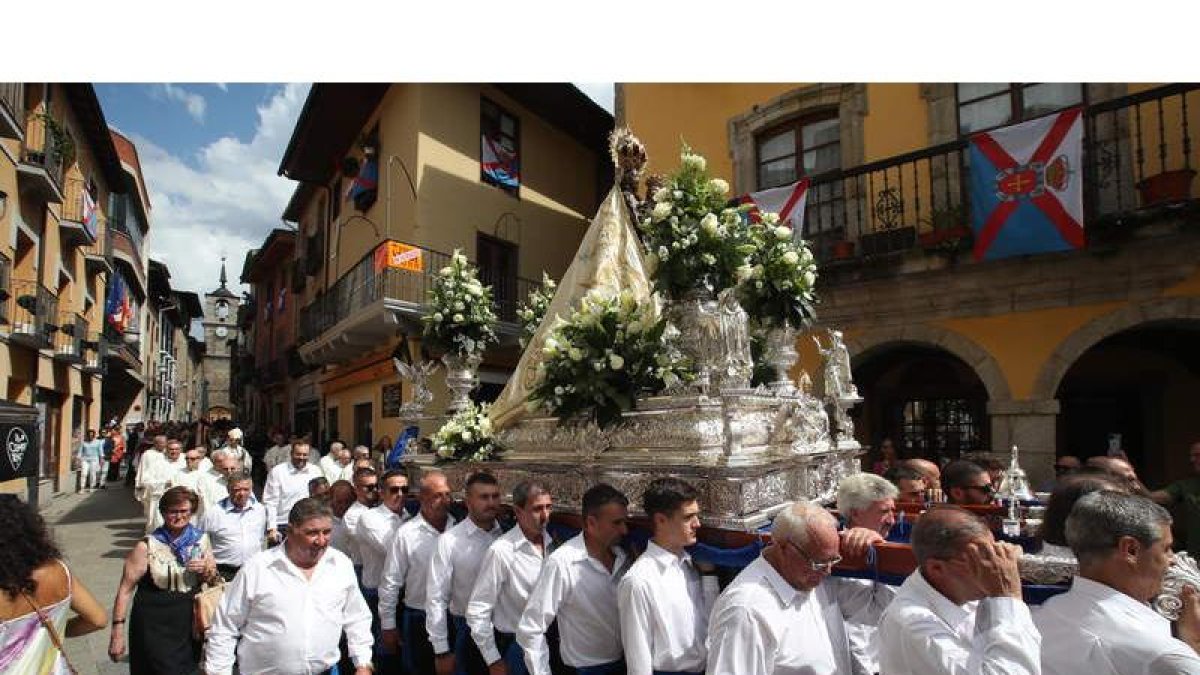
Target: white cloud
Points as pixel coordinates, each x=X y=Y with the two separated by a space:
x=222 y=86
x=192 y=102
x=602 y=93
x=222 y=203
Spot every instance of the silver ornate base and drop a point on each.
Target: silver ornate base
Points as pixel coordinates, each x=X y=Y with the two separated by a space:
x=749 y=452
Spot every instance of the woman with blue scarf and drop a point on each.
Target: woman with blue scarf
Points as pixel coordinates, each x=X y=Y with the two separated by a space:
x=166 y=569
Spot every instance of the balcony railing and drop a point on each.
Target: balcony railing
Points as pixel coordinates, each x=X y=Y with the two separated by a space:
x=368 y=282
x=1132 y=145
x=40 y=148
x=70 y=337
x=31 y=305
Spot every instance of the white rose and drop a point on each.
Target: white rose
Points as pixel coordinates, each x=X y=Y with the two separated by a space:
x=475 y=290
x=615 y=361
x=782 y=233
x=769 y=218
x=458 y=305
x=709 y=223
x=598 y=366
x=458 y=318
x=662 y=194
x=558 y=391
x=446 y=271
x=575 y=353
x=466 y=436
x=709 y=259
x=718 y=186
x=810 y=278
x=663 y=253
x=661 y=210
x=691 y=161
x=744 y=272
x=791 y=257
x=437 y=317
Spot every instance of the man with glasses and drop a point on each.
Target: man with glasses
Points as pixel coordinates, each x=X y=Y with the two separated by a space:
x=961 y=610
x=286 y=485
x=373 y=533
x=966 y=483
x=783 y=613
x=453 y=569
x=198 y=480
x=366 y=493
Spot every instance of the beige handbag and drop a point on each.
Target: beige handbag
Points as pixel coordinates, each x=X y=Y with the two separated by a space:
x=205 y=607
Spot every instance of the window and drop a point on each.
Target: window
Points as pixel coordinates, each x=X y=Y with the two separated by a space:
x=987 y=106
x=941 y=427
x=498 y=269
x=804 y=147
x=499 y=148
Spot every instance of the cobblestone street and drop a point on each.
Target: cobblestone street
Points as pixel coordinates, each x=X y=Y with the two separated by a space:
x=95 y=531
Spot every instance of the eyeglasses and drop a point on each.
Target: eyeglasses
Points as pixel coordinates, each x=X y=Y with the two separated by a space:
x=817 y=565
x=398 y=489
x=373 y=487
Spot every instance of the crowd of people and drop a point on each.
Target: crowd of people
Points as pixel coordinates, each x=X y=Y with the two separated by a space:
x=334 y=570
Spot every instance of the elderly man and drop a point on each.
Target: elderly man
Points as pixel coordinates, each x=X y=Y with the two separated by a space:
x=407 y=567
x=199 y=481
x=1187 y=492
x=783 y=613
x=961 y=611
x=340 y=468
x=286 y=485
x=236 y=525
x=663 y=599
x=506 y=577
x=155 y=480
x=329 y=463
x=233 y=443
x=1104 y=624
x=279 y=453
x=578 y=587
x=453 y=569
x=287 y=609
x=966 y=483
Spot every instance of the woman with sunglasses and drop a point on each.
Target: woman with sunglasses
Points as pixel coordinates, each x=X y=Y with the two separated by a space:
x=162 y=575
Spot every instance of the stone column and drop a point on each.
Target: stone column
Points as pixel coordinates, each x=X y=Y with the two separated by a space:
x=1030 y=425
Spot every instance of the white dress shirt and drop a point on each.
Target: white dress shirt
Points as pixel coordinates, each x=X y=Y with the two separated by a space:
x=578 y=590
x=340 y=537
x=864 y=637
x=236 y=534
x=1095 y=629
x=329 y=465
x=350 y=520
x=506 y=577
x=200 y=482
x=664 y=605
x=338 y=472
x=285 y=486
x=283 y=623
x=923 y=633
x=762 y=625
x=407 y=567
x=453 y=569
x=373 y=532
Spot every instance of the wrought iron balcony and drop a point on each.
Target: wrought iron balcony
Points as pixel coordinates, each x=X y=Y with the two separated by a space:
x=40 y=170
x=364 y=307
x=1137 y=163
x=12 y=106
x=33 y=309
x=69 y=338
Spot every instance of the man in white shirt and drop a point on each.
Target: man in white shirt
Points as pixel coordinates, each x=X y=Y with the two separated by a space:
x=578 y=586
x=407 y=567
x=366 y=491
x=783 y=613
x=663 y=599
x=233 y=443
x=340 y=468
x=236 y=526
x=1103 y=625
x=146 y=461
x=287 y=609
x=286 y=485
x=453 y=569
x=155 y=479
x=506 y=577
x=869 y=501
x=961 y=610
x=341 y=498
x=279 y=453
x=199 y=481
x=328 y=463
x=373 y=533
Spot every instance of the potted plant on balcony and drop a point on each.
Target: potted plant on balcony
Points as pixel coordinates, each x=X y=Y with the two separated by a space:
x=1166 y=186
x=64 y=145
x=948 y=231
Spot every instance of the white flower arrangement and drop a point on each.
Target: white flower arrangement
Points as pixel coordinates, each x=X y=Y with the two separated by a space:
x=467 y=437
x=459 y=317
x=777 y=288
x=597 y=362
x=694 y=241
x=534 y=308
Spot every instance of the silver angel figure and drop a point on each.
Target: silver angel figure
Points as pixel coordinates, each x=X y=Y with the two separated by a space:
x=417 y=375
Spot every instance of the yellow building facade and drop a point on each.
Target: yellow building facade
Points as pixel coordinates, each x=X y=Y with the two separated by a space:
x=59 y=174
x=431 y=198
x=1079 y=352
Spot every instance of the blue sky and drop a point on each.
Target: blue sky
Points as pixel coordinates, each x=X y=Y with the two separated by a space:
x=209 y=153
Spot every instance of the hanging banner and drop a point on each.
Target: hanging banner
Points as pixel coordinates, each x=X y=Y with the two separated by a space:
x=395 y=255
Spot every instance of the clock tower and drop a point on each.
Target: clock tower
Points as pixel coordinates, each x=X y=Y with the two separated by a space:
x=220 y=336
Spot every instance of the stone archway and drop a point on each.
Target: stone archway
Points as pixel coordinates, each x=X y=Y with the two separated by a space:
x=983 y=363
x=1068 y=352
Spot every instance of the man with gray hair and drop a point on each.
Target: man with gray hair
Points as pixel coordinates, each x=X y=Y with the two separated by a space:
x=329 y=464
x=869 y=501
x=961 y=610
x=1104 y=624
x=784 y=613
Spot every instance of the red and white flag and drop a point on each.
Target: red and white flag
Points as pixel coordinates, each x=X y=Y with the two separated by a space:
x=788 y=201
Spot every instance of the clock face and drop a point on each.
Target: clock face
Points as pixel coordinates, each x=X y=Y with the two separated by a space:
x=221 y=332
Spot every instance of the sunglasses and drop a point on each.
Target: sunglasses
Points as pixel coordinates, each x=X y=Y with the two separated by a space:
x=403 y=489
x=986 y=489
x=817 y=565
x=373 y=487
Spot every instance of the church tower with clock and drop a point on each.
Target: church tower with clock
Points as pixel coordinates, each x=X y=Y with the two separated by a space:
x=220 y=337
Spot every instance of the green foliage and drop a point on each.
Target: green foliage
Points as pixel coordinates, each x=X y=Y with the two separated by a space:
x=459 y=317
x=779 y=280
x=467 y=437
x=534 y=308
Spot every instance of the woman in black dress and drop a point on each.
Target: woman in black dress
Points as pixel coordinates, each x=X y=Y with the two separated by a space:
x=166 y=569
